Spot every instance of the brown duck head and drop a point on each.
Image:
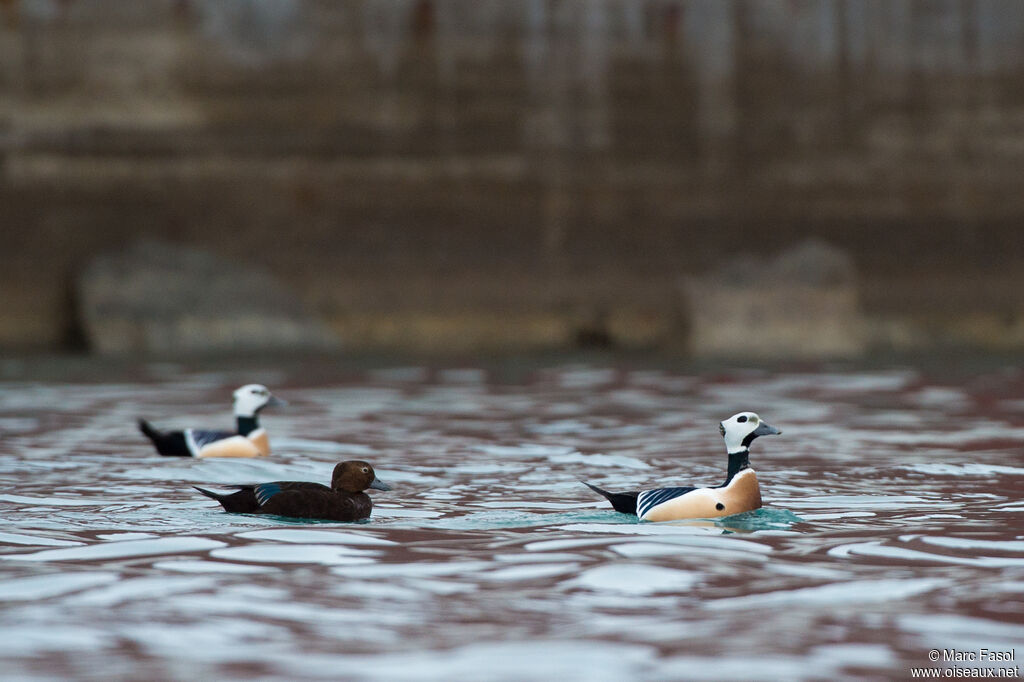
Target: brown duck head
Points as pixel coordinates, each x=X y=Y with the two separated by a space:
x=355 y=476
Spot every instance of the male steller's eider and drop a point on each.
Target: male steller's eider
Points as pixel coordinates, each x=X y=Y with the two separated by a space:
x=249 y=440
x=345 y=500
x=739 y=493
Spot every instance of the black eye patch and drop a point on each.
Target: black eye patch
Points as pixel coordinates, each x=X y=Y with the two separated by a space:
x=741 y=419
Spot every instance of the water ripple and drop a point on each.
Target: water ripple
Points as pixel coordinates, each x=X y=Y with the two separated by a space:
x=891 y=526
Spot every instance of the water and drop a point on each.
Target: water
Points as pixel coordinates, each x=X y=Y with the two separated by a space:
x=892 y=526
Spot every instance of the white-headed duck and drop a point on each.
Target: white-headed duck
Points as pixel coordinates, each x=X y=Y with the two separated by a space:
x=248 y=440
x=740 y=492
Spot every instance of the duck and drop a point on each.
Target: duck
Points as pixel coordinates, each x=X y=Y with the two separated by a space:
x=740 y=492
x=249 y=439
x=345 y=500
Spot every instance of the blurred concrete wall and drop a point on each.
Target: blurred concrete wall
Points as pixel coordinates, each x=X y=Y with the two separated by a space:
x=481 y=173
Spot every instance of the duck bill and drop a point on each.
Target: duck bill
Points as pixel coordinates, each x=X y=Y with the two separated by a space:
x=275 y=402
x=379 y=484
x=764 y=429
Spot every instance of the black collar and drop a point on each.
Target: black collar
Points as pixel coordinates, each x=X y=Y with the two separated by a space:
x=738 y=461
x=247 y=425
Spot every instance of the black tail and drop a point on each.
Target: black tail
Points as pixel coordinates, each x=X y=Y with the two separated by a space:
x=170 y=443
x=244 y=501
x=622 y=502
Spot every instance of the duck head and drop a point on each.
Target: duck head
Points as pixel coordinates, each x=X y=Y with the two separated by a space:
x=355 y=476
x=252 y=398
x=741 y=429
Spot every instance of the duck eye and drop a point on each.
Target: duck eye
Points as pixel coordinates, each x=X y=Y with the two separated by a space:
x=741 y=419
x=365 y=470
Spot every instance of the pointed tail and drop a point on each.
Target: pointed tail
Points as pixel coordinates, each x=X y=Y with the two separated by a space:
x=622 y=502
x=148 y=430
x=209 y=493
x=170 y=443
x=244 y=501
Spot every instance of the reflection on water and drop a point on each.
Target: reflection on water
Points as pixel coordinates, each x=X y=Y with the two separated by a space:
x=892 y=526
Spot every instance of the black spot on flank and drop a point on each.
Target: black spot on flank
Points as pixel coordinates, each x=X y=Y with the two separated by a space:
x=719 y=506
x=741 y=419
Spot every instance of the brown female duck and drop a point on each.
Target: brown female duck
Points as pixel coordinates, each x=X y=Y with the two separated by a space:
x=345 y=500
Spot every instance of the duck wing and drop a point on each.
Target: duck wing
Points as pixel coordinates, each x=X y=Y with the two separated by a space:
x=250 y=497
x=648 y=499
x=197 y=439
x=314 y=503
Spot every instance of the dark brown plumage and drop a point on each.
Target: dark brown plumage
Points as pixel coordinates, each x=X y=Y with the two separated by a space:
x=345 y=500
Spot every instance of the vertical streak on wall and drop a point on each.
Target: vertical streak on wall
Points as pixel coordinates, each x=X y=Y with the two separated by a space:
x=385 y=30
x=711 y=43
x=744 y=39
x=844 y=75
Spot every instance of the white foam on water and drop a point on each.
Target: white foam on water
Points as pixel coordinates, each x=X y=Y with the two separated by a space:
x=877 y=549
x=18 y=424
x=661 y=549
x=327 y=555
x=962 y=436
x=634 y=579
x=442 y=587
x=121 y=550
x=974 y=543
x=859 y=655
x=524 y=450
x=963 y=633
x=939 y=397
x=56 y=501
x=807 y=571
x=523 y=504
x=306 y=445
x=527 y=572
x=419 y=569
x=395 y=512
x=561 y=427
x=125 y=536
x=739 y=667
x=599 y=460
x=828 y=516
x=200 y=566
x=25 y=640
x=22 y=539
x=966 y=469
x=51 y=585
x=218 y=641
x=535 y=659
x=534 y=557
x=700 y=535
x=377 y=591
x=853 y=592
x=140 y=589
x=629 y=526
x=875 y=502
x=568 y=543
x=305 y=536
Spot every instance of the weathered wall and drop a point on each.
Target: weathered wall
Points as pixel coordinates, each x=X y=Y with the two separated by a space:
x=507 y=172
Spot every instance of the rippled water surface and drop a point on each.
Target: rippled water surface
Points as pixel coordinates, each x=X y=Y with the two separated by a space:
x=892 y=526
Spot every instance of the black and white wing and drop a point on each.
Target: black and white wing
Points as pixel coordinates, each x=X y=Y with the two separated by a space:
x=197 y=439
x=649 y=499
